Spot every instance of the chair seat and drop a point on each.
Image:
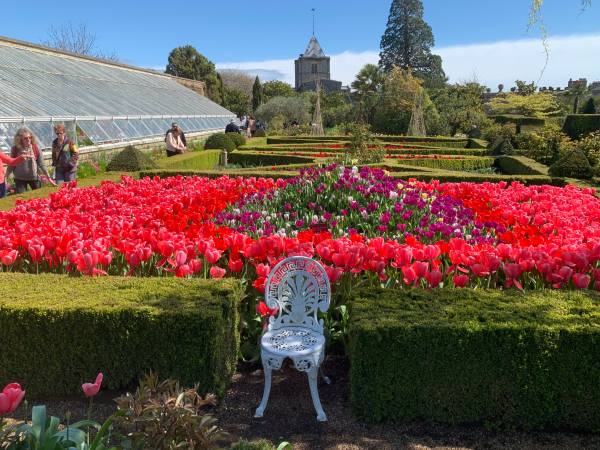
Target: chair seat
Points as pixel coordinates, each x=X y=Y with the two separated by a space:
x=292 y=341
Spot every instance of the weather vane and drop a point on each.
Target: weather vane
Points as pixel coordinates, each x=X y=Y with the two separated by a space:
x=313 y=11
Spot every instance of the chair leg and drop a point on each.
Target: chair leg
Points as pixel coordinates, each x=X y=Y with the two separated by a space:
x=265 y=398
x=314 y=393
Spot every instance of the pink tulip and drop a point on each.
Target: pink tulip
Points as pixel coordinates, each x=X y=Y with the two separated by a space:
x=217 y=272
x=10 y=398
x=460 y=280
x=581 y=281
x=91 y=389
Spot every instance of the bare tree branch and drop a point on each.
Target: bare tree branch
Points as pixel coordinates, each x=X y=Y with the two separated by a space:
x=77 y=39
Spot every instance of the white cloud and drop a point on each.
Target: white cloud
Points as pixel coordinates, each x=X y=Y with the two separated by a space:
x=492 y=63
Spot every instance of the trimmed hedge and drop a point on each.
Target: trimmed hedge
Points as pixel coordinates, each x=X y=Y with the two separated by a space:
x=258 y=159
x=203 y=159
x=237 y=138
x=528 y=360
x=578 y=125
x=416 y=151
x=57 y=331
x=519 y=120
x=436 y=141
x=520 y=165
x=457 y=177
x=472 y=163
x=130 y=159
x=573 y=165
x=220 y=141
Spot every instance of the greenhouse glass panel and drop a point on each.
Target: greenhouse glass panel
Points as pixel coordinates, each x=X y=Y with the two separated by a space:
x=154 y=127
x=111 y=130
x=128 y=128
x=7 y=135
x=159 y=125
x=197 y=123
x=186 y=125
x=94 y=131
x=43 y=131
x=142 y=127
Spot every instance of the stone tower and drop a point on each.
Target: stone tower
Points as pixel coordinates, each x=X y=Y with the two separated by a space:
x=313 y=65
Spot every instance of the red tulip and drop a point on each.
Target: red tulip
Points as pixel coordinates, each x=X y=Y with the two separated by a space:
x=91 y=389
x=434 y=278
x=460 y=280
x=10 y=398
x=217 y=272
x=581 y=281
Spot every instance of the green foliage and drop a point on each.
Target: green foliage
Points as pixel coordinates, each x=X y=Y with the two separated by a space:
x=237 y=138
x=519 y=120
x=524 y=88
x=590 y=146
x=288 y=108
x=407 y=42
x=546 y=145
x=573 y=165
x=520 y=165
x=577 y=125
x=122 y=326
x=260 y=133
x=130 y=159
x=257 y=94
x=502 y=146
x=491 y=131
x=363 y=148
x=164 y=416
x=249 y=159
x=236 y=101
x=589 y=107
x=200 y=160
x=276 y=88
x=503 y=358
x=187 y=62
x=541 y=104
x=468 y=164
x=220 y=141
x=92 y=167
x=460 y=106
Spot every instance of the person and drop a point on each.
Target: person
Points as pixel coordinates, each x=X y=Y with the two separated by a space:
x=232 y=127
x=251 y=127
x=181 y=133
x=5 y=159
x=28 y=172
x=174 y=142
x=64 y=156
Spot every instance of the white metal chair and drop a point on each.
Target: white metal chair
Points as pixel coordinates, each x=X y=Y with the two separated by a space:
x=298 y=287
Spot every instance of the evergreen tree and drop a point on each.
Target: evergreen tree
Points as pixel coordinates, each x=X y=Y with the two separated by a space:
x=257 y=93
x=187 y=62
x=589 y=107
x=407 y=43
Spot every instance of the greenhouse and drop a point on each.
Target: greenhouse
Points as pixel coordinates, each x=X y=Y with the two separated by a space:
x=99 y=101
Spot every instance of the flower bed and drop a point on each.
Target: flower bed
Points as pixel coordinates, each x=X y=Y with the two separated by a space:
x=406 y=233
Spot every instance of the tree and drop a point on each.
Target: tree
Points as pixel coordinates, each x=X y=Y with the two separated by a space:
x=366 y=91
x=407 y=43
x=237 y=79
x=524 y=88
x=285 y=109
x=460 y=106
x=236 y=101
x=276 y=88
x=76 y=39
x=576 y=91
x=187 y=62
x=256 y=94
x=589 y=107
x=541 y=104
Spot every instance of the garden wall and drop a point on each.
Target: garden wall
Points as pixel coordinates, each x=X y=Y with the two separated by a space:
x=526 y=360
x=58 y=331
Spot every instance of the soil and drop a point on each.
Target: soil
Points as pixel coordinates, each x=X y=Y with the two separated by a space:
x=290 y=417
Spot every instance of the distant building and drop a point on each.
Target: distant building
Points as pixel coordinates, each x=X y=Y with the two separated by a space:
x=313 y=65
x=574 y=83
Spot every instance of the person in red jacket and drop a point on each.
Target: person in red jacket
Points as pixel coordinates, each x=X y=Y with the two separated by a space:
x=5 y=159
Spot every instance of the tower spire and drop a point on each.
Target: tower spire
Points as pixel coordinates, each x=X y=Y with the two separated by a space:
x=313 y=11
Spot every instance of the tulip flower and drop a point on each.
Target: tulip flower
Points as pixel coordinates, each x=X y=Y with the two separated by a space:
x=91 y=389
x=217 y=272
x=10 y=398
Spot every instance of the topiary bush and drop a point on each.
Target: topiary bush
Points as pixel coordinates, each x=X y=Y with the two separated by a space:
x=220 y=141
x=237 y=139
x=577 y=125
x=130 y=159
x=260 y=133
x=502 y=146
x=573 y=165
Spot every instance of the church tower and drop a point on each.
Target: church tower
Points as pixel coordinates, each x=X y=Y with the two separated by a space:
x=313 y=65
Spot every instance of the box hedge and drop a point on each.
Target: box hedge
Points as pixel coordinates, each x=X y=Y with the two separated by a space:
x=57 y=332
x=506 y=359
x=470 y=163
x=130 y=159
x=434 y=141
x=199 y=160
x=520 y=165
x=260 y=159
x=417 y=150
x=578 y=125
x=220 y=141
x=572 y=165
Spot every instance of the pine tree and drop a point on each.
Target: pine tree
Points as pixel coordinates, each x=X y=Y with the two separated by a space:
x=589 y=107
x=407 y=43
x=257 y=93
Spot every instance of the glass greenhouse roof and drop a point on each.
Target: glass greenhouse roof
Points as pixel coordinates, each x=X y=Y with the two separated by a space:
x=109 y=102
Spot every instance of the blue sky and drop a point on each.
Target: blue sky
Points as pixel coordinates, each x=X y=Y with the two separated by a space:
x=250 y=34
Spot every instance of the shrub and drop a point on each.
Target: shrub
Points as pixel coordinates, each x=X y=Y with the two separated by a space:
x=503 y=358
x=546 y=145
x=57 y=331
x=220 y=141
x=520 y=165
x=237 y=139
x=573 y=165
x=589 y=107
x=502 y=146
x=577 y=125
x=361 y=146
x=208 y=159
x=590 y=146
x=130 y=159
x=260 y=133
x=492 y=131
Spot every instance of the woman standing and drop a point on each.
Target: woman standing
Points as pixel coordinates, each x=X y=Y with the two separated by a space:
x=28 y=173
x=64 y=156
